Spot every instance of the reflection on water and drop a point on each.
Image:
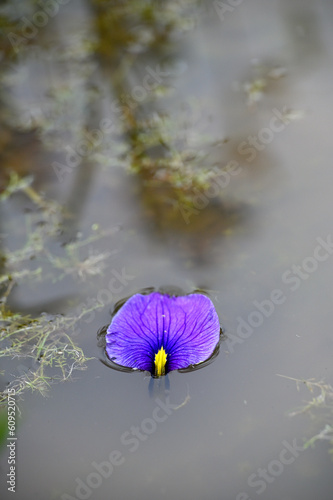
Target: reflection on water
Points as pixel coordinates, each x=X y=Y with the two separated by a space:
x=165 y=142
x=159 y=386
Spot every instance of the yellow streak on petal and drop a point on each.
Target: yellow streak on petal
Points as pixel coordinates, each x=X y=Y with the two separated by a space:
x=160 y=360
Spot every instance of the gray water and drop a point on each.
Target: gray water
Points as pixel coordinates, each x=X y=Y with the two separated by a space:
x=223 y=432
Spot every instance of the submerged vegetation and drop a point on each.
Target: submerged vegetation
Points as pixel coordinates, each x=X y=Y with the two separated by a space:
x=319 y=409
x=43 y=348
x=44 y=344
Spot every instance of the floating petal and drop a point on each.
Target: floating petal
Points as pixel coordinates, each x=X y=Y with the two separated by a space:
x=175 y=331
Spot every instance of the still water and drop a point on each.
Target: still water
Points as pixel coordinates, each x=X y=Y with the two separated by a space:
x=244 y=84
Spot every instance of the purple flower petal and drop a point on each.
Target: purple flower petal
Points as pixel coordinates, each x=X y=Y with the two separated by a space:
x=186 y=327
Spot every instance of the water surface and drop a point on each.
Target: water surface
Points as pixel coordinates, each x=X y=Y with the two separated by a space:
x=207 y=433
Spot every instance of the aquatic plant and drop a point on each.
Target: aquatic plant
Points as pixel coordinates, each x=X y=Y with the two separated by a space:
x=160 y=333
x=319 y=408
x=44 y=348
x=41 y=349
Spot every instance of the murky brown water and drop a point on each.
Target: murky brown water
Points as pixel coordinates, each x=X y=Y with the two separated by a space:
x=254 y=82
